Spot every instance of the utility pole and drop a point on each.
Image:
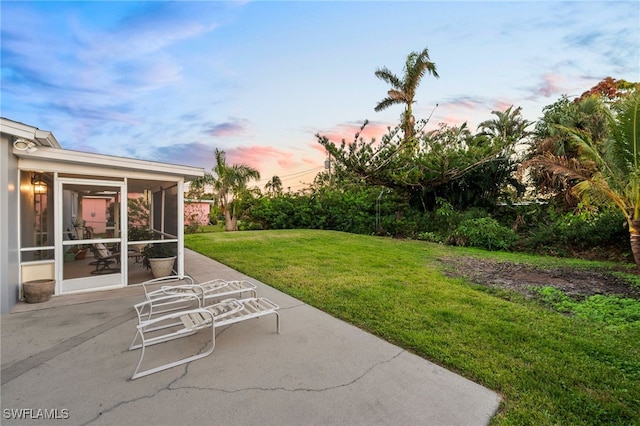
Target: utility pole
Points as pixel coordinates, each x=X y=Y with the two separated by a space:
x=327 y=166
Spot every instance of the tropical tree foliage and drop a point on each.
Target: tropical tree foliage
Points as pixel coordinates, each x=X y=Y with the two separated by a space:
x=441 y=184
x=611 y=89
x=509 y=126
x=605 y=171
x=230 y=187
x=349 y=209
x=588 y=116
x=138 y=212
x=449 y=162
x=403 y=89
x=274 y=186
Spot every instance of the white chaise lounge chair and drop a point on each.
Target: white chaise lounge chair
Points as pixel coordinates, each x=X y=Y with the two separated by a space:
x=188 y=322
x=207 y=292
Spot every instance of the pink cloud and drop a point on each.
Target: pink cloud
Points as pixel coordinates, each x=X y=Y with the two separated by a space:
x=347 y=131
x=317 y=147
x=457 y=111
x=228 y=129
x=452 y=120
x=467 y=109
x=309 y=161
x=502 y=106
x=464 y=103
x=255 y=156
x=551 y=85
x=294 y=170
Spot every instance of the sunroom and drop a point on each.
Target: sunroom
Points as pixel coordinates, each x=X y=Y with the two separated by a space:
x=84 y=219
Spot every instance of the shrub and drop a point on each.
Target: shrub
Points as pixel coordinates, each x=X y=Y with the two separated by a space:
x=431 y=237
x=139 y=233
x=559 y=234
x=484 y=233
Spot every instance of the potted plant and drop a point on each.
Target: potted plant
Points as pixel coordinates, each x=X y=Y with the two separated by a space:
x=160 y=258
x=139 y=233
x=81 y=253
x=78 y=225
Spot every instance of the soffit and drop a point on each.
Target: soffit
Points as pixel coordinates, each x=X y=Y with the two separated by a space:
x=51 y=158
x=21 y=130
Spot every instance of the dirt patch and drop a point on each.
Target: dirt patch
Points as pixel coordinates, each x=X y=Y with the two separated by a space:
x=518 y=277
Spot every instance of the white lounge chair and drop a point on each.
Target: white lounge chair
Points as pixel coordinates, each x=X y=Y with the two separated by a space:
x=159 y=304
x=207 y=292
x=188 y=322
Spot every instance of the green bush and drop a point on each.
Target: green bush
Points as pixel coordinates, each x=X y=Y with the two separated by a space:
x=349 y=210
x=192 y=227
x=140 y=233
x=431 y=237
x=484 y=233
x=545 y=230
x=540 y=228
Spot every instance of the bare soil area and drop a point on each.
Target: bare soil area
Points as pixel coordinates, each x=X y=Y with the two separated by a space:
x=575 y=283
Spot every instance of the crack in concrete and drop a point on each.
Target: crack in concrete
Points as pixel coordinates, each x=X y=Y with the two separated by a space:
x=346 y=384
x=21 y=367
x=140 y=398
x=292 y=307
x=148 y=396
x=170 y=387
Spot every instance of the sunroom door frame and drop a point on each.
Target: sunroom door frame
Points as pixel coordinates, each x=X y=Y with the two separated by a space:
x=94 y=282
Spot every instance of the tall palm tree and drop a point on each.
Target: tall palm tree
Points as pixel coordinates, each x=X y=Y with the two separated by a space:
x=403 y=90
x=274 y=186
x=508 y=126
x=616 y=162
x=229 y=184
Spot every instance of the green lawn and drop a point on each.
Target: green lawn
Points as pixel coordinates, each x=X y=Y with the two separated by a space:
x=549 y=368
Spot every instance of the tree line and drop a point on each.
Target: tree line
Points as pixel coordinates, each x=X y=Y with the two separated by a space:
x=572 y=176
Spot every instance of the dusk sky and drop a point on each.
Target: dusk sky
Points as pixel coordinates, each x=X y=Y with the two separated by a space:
x=172 y=81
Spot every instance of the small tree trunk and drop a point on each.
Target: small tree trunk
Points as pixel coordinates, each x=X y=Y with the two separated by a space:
x=230 y=222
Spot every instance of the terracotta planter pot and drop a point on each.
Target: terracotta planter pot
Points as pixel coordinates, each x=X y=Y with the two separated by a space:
x=38 y=290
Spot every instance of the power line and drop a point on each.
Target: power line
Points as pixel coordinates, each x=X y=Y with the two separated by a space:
x=294 y=175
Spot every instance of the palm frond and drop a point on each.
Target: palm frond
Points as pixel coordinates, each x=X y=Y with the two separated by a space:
x=387 y=76
x=386 y=103
x=628 y=130
x=560 y=166
x=599 y=190
x=400 y=96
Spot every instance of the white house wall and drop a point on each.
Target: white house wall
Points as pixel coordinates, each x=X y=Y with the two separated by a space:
x=9 y=249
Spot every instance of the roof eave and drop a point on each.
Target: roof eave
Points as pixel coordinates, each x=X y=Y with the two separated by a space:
x=21 y=130
x=113 y=162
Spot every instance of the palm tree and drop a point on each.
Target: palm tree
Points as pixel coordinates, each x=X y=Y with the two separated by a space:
x=403 y=90
x=588 y=115
x=229 y=184
x=274 y=186
x=508 y=126
x=606 y=171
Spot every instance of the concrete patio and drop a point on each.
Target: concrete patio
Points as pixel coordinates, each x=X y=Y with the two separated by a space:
x=69 y=356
